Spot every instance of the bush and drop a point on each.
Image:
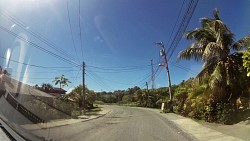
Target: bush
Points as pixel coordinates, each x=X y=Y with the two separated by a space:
x=222 y=112
x=179 y=101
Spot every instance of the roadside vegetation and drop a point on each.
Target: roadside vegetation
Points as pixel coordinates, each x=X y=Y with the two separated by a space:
x=68 y=105
x=220 y=92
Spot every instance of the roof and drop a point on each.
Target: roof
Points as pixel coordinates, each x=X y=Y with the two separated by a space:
x=59 y=89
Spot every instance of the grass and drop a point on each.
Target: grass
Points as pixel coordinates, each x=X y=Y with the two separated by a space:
x=93 y=111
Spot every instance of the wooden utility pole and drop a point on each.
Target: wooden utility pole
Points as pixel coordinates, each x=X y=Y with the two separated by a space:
x=152 y=75
x=168 y=73
x=147 y=94
x=163 y=53
x=83 y=85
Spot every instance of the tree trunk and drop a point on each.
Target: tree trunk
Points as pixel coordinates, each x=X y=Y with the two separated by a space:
x=80 y=103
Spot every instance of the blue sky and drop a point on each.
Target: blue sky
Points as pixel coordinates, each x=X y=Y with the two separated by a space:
x=117 y=38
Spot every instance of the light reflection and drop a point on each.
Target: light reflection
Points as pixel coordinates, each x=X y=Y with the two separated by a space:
x=26 y=74
x=12 y=26
x=8 y=54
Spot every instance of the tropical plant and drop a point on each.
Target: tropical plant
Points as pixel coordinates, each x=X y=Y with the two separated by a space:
x=46 y=87
x=76 y=96
x=62 y=81
x=246 y=61
x=214 y=45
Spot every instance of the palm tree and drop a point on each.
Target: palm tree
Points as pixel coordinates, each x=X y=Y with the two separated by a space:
x=77 y=96
x=214 y=44
x=62 y=81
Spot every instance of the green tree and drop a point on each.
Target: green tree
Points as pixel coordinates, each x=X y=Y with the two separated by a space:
x=77 y=96
x=213 y=44
x=62 y=81
x=246 y=61
x=46 y=87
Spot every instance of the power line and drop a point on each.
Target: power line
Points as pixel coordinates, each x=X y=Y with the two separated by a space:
x=142 y=81
x=37 y=46
x=43 y=72
x=75 y=79
x=121 y=68
x=153 y=76
x=37 y=66
x=159 y=71
x=175 y=23
x=80 y=27
x=187 y=17
x=38 y=77
x=71 y=30
x=37 y=35
x=97 y=82
x=177 y=35
x=98 y=78
x=184 y=68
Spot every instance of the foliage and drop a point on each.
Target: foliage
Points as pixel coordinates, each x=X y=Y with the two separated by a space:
x=213 y=43
x=179 y=101
x=45 y=87
x=246 y=61
x=76 y=97
x=62 y=81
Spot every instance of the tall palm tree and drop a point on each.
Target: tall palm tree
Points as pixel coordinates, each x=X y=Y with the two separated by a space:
x=213 y=44
x=62 y=81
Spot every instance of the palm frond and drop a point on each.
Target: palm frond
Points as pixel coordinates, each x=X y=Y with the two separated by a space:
x=205 y=22
x=208 y=67
x=200 y=33
x=217 y=77
x=56 y=82
x=228 y=39
x=216 y=14
x=212 y=50
x=242 y=43
x=192 y=52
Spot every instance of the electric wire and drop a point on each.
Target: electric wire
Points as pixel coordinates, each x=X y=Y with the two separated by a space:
x=37 y=66
x=45 y=72
x=178 y=33
x=187 y=17
x=77 y=76
x=97 y=82
x=40 y=37
x=80 y=28
x=98 y=79
x=184 y=68
x=175 y=24
x=70 y=27
x=25 y=77
x=37 y=46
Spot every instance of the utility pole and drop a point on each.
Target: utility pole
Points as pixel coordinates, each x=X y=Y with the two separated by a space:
x=152 y=76
x=163 y=53
x=147 y=93
x=83 y=85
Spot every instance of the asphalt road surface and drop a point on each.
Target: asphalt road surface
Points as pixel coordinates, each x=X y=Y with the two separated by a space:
x=122 y=124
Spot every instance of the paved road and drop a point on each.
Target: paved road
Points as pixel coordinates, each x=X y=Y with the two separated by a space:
x=122 y=124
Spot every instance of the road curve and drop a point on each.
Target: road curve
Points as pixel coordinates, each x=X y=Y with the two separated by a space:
x=122 y=124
